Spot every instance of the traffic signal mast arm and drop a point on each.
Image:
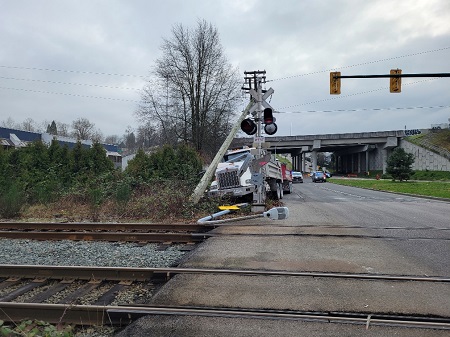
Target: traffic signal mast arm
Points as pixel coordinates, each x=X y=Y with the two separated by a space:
x=395 y=76
x=398 y=75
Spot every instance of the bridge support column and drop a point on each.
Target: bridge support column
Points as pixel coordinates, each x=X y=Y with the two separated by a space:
x=296 y=160
x=303 y=167
x=384 y=154
x=359 y=162
x=314 y=160
x=367 y=161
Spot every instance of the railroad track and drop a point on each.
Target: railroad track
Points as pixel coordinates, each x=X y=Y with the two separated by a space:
x=160 y=233
x=129 y=232
x=30 y=292
x=96 y=226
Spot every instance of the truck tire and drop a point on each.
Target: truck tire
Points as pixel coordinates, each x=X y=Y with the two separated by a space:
x=276 y=191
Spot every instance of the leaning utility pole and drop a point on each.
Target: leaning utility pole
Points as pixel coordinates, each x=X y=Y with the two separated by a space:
x=257 y=112
x=206 y=179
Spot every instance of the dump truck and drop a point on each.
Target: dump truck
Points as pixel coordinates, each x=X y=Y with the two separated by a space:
x=238 y=174
x=287 y=178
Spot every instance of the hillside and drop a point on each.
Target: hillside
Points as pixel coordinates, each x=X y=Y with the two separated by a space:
x=437 y=141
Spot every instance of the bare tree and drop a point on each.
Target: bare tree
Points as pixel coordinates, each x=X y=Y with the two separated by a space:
x=82 y=129
x=63 y=129
x=9 y=123
x=112 y=139
x=195 y=91
x=29 y=125
x=97 y=136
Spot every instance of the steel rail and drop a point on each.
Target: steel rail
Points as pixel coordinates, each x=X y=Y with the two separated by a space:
x=77 y=272
x=142 y=274
x=104 y=236
x=123 y=315
x=301 y=226
x=330 y=317
x=77 y=226
x=353 y=236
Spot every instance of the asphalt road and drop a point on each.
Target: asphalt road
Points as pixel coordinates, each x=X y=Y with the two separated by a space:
x=419 y=228
x=331 y=228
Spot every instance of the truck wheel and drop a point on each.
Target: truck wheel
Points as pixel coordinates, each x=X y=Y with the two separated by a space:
x=276 y=194
x=280 y=186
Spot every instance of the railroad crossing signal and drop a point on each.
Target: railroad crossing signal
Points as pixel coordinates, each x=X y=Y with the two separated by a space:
x=250 y=125
x=395 y=83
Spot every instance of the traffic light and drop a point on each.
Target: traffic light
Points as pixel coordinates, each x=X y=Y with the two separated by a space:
x=395 y=82
x=335 y=83
x=248 y=126
x=270 y=127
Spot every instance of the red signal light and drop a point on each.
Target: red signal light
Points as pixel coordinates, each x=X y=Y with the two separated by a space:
x=268 y=116
x=248 y=126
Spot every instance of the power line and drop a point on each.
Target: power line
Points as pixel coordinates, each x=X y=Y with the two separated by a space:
x=67 y=94
x=359 y=64
x=355 y=94
x=68 y=83
x=368 y=109
x=71 y=71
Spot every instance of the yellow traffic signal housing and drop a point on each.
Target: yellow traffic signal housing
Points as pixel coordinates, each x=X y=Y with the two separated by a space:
x=395 y=82
x=335 y=83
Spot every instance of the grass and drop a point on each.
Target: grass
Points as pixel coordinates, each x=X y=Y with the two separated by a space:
x=430 y=175
x=425 y=188
x=439 y=138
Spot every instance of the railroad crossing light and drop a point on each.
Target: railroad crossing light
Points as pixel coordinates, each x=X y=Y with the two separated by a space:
x=268 y=116
x=248 y=126
x=335 y=83
x=395 y=82
x=270 y=127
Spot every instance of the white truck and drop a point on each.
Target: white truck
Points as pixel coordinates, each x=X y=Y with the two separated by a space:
x=238 y=175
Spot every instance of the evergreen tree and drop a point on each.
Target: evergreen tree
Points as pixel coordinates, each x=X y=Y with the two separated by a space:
x=399 y=164
x=139 y=166
x=52 y=129
x=99 y=162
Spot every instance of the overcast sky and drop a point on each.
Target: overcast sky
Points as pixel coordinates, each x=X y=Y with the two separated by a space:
x=63 y=59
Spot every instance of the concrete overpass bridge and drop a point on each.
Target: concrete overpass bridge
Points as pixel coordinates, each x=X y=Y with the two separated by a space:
x=354 y=152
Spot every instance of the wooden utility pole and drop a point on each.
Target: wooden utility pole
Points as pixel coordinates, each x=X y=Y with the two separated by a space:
x=206 y=179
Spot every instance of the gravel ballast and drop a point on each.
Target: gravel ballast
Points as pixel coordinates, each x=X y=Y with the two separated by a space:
x=88 y=253
x=91 y=253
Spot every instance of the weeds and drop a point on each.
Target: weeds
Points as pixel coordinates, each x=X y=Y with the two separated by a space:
x=30 y=328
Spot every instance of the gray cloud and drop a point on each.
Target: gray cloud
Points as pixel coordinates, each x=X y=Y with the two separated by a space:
x=296 y=42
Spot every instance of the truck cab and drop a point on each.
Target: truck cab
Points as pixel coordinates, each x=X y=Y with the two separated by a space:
x=235 y=174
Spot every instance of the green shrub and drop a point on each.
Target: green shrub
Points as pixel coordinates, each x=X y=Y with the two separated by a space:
x=96 y=198
x=12 y=200
x=431 y=175
x=399 y=164
x=122 y=196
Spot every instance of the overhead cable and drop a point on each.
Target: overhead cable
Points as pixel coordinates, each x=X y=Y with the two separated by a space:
x=359 y=64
